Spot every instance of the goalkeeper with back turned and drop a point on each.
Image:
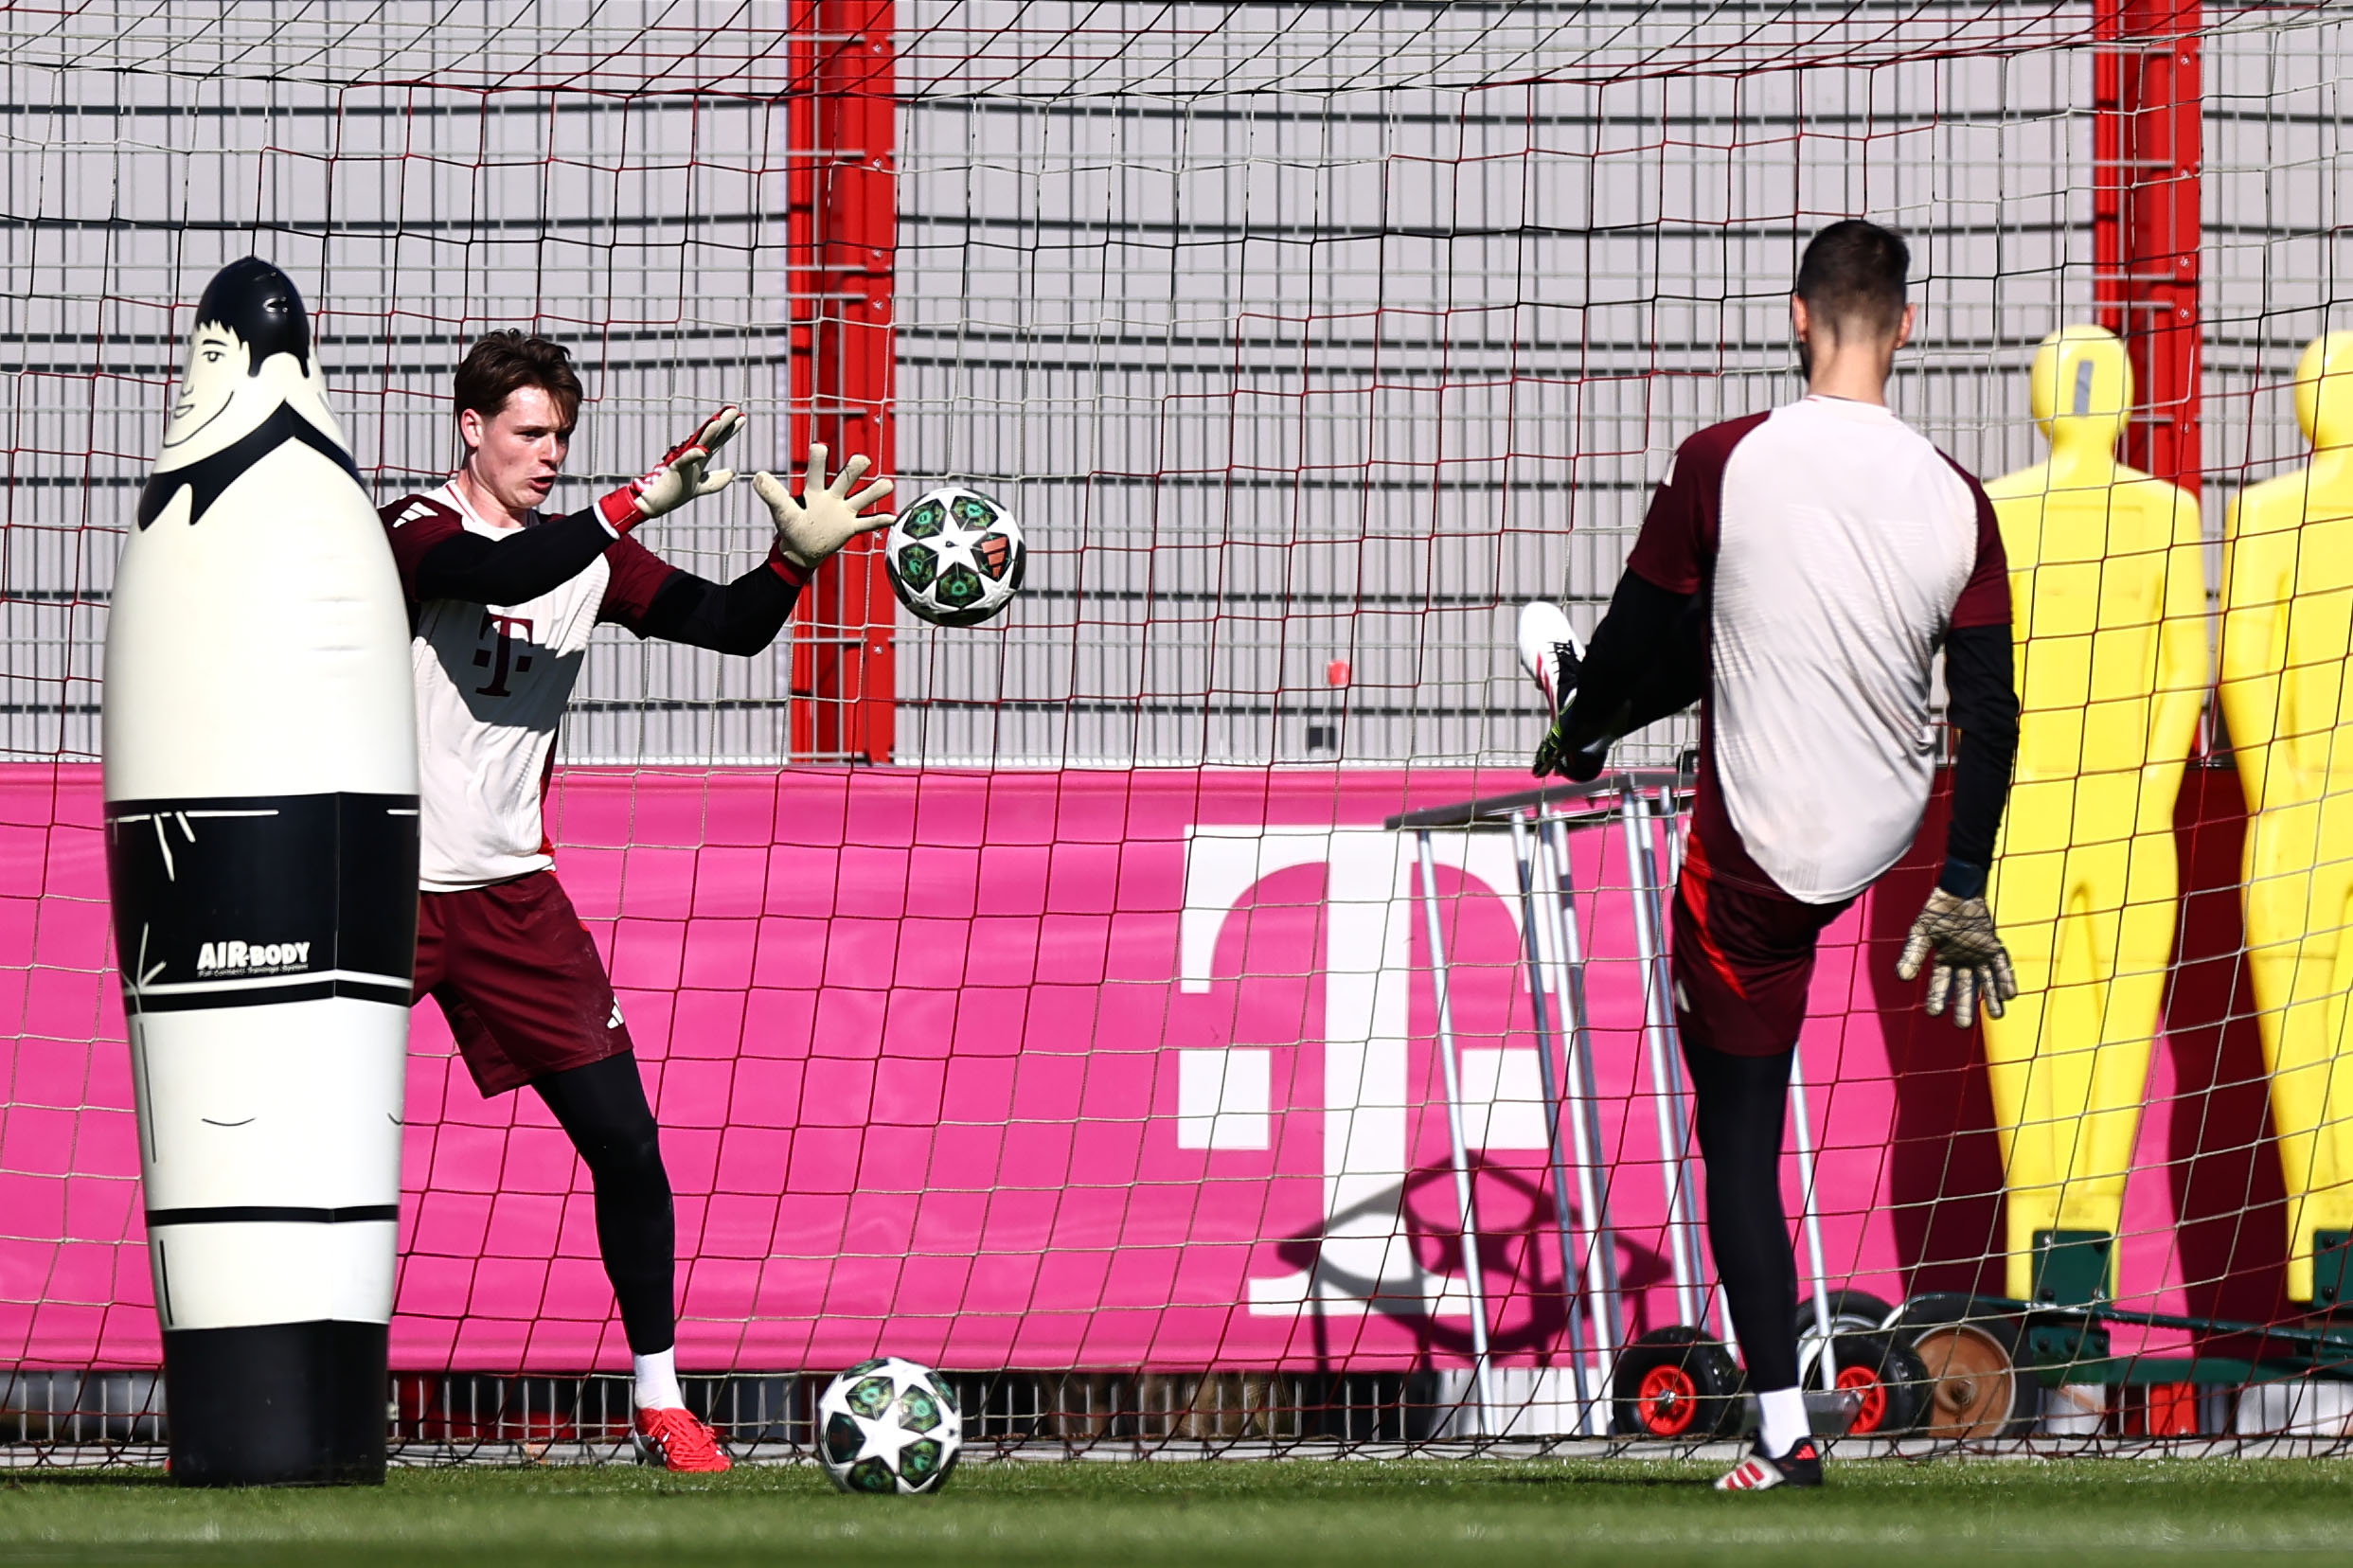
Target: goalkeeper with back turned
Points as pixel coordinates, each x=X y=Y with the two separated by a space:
x=1797 y=575
x=501 y=602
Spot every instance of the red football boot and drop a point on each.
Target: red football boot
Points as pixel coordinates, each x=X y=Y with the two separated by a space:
x=675 y=1440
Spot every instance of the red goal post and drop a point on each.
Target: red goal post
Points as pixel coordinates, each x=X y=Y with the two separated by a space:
x=2147 y=223
x=842 y=234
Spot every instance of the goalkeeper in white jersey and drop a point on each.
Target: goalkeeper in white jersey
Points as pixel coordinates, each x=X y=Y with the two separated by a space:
x=502 y=600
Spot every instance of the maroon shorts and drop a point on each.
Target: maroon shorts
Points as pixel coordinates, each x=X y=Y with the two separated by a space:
x=1742 y=961
x=518 y=979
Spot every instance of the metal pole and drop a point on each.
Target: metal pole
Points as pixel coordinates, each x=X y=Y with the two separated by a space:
x=1584 y=1111
x=1659 y=1046
x=1524 y=857
x=1811 y=1220
x=1454 y=1131
x=1677 y=831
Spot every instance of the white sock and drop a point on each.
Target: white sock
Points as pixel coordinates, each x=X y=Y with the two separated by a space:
x=657 y=1380
x=1783 y=1413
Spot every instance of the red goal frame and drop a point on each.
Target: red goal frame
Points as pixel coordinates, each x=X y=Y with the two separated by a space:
x=2147 y=146
x=840 y=236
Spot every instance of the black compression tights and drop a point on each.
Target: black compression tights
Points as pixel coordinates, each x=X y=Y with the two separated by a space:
x=603 y=1107
x=1739 y=1105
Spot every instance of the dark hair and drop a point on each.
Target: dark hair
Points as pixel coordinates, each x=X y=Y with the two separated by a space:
x=258 y=303
x=1854 y=273
x=503 y=362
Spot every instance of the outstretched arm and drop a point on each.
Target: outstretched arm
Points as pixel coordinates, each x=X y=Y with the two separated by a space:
x=1649 y=659
x=451 y=563
x=656 y=599
x=440 y=558
x=738 y=617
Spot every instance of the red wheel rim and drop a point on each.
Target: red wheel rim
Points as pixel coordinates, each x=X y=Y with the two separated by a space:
x=1667 y=1401
x=1867 y=1382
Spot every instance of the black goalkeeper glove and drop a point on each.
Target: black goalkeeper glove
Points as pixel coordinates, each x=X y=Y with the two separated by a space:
x=1554 y=756
x=1967 y=963
x=1577 y=766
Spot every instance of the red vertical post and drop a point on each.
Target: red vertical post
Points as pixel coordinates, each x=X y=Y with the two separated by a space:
x=842 y=233
x=2148 y=149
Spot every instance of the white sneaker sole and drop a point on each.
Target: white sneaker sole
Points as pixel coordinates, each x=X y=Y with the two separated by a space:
x=1541 y=626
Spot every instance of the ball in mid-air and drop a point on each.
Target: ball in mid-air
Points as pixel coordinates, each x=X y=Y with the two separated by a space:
x=888 y=1426
x=955 y=557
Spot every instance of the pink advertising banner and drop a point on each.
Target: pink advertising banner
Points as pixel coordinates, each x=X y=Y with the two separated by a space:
x=1064 y=1069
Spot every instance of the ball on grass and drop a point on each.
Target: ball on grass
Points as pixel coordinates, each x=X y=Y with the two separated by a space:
x=888 y=1426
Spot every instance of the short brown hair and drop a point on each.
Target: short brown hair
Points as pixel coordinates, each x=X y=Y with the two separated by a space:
x=505 y=361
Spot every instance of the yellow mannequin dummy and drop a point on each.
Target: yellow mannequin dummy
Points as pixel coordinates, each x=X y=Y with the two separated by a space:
x=2108 y=605
x=2287 y=612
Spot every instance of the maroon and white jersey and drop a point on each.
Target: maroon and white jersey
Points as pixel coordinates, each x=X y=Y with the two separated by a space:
x=1837 y=546
x=492 y=681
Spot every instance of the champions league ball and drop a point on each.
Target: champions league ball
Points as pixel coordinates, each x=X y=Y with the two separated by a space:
x=955 y=557
x=888 y=1426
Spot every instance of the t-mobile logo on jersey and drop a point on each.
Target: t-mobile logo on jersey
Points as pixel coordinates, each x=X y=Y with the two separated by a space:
x=501 y=659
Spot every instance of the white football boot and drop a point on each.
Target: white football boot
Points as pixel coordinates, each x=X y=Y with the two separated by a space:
x=1549 y=653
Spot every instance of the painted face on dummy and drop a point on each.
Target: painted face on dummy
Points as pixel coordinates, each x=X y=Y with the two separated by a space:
x=515 y=454
x=224 y=396
x=217 y=362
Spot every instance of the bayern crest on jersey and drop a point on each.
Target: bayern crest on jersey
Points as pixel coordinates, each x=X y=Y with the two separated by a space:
x=888 y=1426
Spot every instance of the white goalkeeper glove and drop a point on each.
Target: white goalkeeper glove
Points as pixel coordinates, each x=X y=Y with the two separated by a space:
x=683 y=474
x=825 y=516
x=1967 y=960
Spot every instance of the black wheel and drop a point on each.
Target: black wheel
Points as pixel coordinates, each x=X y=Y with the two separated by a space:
x=1980 y=1376
x=1888 y=1377
x=1675 y=1384
x=1851 y=1312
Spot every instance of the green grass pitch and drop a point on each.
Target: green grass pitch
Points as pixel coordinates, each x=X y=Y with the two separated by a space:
x=1298 y=1514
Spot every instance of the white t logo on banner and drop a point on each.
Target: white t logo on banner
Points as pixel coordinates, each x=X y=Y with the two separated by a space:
x=1366 y=1262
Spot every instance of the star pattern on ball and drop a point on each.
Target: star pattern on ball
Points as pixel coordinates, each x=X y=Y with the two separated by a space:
x=888 y=1425
x=885 y=1438
x=955 y=557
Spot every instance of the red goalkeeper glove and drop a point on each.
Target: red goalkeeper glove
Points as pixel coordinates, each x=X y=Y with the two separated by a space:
x=683 y=474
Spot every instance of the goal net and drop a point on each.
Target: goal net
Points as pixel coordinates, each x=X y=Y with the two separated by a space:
x=1053 y=1002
